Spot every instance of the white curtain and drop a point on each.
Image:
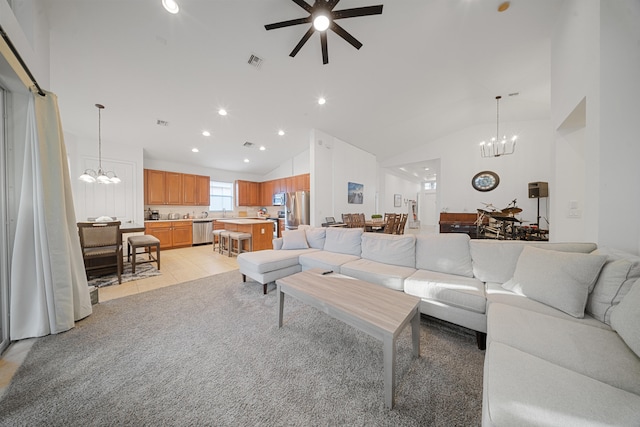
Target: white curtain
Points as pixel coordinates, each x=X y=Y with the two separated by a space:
x=48 y=290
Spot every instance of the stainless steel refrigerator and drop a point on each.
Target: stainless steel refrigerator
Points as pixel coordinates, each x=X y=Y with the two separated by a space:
x=297 y=209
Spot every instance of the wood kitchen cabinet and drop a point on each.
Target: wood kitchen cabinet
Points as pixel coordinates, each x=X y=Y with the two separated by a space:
x=163 y=188
x=172 y=234
x=189 y=192
x=203 y=189
x=247 y=193
x=267 y=193
x=174 y=188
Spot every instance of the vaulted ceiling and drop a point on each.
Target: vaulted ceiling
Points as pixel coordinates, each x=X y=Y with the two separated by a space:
x=426 y=68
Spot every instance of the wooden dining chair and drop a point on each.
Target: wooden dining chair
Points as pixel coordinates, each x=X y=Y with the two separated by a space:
x=101 y=244
x=389 y=223
x=400 y=223
x=357 y=220
x=346 y=218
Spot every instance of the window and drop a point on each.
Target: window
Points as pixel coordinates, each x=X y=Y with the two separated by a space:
x=221 y=195
x=430 y=185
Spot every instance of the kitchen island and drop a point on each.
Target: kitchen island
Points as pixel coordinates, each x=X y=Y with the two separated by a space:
x=261 y=230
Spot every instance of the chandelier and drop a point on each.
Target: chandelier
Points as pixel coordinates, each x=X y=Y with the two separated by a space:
x=101 y=176
x=497 y=146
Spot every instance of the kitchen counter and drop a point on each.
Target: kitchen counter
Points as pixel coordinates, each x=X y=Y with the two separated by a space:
x=243 y=221
x=261 y=230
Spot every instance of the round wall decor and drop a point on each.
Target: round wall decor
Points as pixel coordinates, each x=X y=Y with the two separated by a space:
x=485 y=181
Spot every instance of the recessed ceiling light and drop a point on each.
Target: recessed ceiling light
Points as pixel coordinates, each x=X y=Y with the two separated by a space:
x=504 y=6
x=171 y=6
x=206 y=133
x=281 y=132
x=222 y=112
x=322 y=101
x=262 y=148
x=246 y=160
x=195 y=150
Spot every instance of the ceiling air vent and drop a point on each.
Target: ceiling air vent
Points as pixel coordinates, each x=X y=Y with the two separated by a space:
x=255 y=61
x=162 y=122
x=248 y=144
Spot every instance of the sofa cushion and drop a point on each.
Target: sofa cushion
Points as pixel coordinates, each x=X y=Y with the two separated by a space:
x=294 y=239
x=343 y=240
x=325 y=260
x=389 y=248
x=497 y=294
x=445 y=253
x=618 y=274
x=562 y=280
x=458 y=291
x=495 y=261
x=597 y=353
x=269 y=260
x=316 y=237
x=391 y=276
x=625 y=319
x=524 y=390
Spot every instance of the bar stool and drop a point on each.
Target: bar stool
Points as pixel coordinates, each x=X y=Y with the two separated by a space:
x=239 y=238
x=216 y=235
x=147 y=242
x=224 y=242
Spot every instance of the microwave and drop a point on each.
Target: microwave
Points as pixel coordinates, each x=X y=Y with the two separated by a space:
x=278 y=199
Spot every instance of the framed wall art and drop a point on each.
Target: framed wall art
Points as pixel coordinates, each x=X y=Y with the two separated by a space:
x=397 y=200
x=355 y=193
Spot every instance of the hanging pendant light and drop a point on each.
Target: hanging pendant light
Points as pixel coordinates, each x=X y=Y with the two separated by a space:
x=101 y=176
x=498 y=146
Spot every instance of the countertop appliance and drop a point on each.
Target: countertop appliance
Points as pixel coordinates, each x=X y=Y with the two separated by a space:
x=297 y=209
x=155 y=215
x=279 y=199
x=202 y=231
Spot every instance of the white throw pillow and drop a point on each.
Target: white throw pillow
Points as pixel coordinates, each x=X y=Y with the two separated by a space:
x=561 y=280
x=626 y=318
x=618 y=274
x=294 y=239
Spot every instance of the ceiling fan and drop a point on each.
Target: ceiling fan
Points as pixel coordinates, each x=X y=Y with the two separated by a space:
x=323 y=17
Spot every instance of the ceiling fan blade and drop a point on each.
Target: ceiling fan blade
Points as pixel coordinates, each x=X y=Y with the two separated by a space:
x=288 y=23
x=357 y=11
x=345 y=35
x=302 y=41
x=332 y=3
x=325 y=50
x=303 y=4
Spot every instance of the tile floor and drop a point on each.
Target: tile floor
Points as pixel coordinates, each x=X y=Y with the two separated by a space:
x=176 y=265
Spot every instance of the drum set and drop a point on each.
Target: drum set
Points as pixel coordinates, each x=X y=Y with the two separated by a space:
x=503 y=224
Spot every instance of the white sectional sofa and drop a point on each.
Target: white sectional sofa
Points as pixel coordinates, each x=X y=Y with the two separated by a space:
x=561 y=320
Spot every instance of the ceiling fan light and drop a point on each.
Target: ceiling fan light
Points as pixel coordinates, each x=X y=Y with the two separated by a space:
x=321 y=22
x=171 y=6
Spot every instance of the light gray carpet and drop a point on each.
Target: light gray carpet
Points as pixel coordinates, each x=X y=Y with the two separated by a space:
x=209 y=352
x=142 y=271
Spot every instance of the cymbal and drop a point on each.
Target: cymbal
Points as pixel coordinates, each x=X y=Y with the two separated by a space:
x=511 y=210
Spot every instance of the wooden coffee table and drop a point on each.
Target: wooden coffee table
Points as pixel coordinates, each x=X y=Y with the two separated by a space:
x=380 y=312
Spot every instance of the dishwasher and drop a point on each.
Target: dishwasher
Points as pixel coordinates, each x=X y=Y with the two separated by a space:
x=202 y=231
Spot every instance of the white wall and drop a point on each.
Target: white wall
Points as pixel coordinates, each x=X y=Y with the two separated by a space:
x=460 y=160
x=395 y=185
x=297 y=165
x=595 y=58
x=335 y=163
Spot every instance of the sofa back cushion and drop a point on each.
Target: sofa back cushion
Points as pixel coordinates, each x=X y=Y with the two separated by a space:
x=495 y=261
x=618 y=274
x=626 y=318
x=445 y=253
x=294 y=239
x=390 y=249
x=316 y=237
x=344 y=240
x=562 y=280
